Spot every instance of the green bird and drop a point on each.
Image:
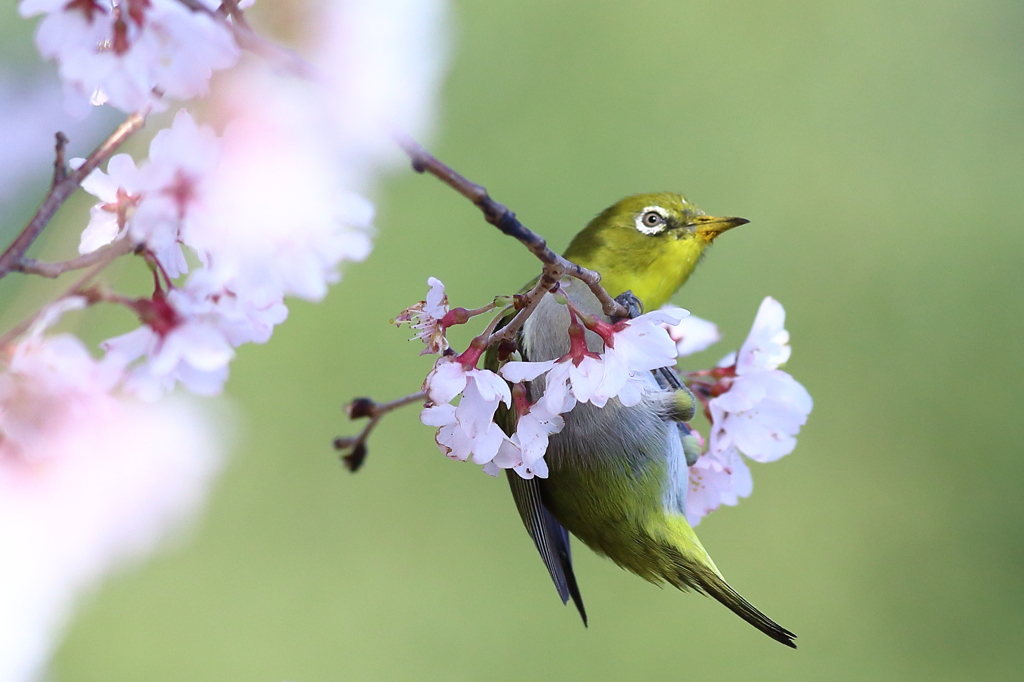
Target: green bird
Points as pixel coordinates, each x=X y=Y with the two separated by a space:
x=618 y=475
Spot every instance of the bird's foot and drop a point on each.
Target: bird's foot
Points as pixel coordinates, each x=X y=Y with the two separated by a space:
x=633 y=305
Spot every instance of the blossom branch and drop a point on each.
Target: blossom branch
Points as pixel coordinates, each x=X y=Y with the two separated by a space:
x=365 y=407
x=13 y=258
x=81 y=287
x=60 y=166
x=104 y=255
x=555 y=266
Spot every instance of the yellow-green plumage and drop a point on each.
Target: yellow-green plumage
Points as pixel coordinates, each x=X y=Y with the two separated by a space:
x=618 y=475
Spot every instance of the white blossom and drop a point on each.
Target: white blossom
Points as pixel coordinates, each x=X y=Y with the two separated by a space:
x=767 y=345
x=693 y=334
x=533 y=430
x=764 y=408
x=188 y=344
x=426 y=316
x=102 y=482
x=158 y=200
x=637 y=347
x=119 y=191
x=716 y=479
x=130 y=54
x=758 y=416
x=641 y=345
x=467 y=429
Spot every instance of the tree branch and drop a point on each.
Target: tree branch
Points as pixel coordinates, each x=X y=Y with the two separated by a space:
x=105 y=254
x=60 y=166
x=555 y=266
x=365 y=407
x=11 y=259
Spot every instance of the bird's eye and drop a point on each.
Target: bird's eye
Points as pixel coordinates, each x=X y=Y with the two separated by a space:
x=652 y=219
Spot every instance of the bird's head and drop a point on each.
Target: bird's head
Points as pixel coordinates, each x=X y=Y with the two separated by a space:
x=647 y=243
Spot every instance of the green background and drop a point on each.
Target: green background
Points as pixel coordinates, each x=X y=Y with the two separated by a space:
x=877 y=149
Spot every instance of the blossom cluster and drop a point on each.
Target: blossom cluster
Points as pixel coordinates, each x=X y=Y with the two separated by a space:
x=231 y=223
x=755 y=409
x=131 y=54
x=187 y=194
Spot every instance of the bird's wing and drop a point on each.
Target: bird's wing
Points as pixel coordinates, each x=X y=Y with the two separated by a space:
x=551 y=539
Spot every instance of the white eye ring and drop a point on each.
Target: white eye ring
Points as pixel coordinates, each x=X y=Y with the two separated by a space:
x=651 y=220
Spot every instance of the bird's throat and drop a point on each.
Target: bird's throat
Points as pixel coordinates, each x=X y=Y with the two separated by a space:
x=653 y=281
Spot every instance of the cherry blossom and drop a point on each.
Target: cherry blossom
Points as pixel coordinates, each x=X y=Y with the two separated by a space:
x=426 y=318
x=175 y=344
x=637 y=346
x=467 y=429
x=633 y=348
x=119 y=191
x=760 y=415
x=757 y=412
x=767 y=345
x=100 y=482
x=281 y=217
x=534 y=427
x=693 y=334
x=158 y=200
x=130 y=53
x=716 y=479
x=86 y=479
x=764 y=408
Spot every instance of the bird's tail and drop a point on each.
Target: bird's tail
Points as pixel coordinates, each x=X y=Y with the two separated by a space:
x=690 y=567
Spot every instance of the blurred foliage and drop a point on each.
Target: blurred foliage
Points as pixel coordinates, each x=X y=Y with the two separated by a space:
x=877 y=149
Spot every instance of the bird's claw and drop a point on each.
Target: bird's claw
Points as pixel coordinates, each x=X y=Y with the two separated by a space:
x=633 y=305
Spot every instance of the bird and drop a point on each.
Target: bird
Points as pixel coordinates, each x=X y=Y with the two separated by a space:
x=618 y=475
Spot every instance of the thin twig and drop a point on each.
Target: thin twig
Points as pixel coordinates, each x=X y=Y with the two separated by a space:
x=11 y=259
x=104 y=254
x=365 y=407
x=555 y=266
x=60 y=166
x=79 y=288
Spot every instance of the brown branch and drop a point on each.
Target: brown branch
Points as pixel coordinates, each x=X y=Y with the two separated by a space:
x=11 y=259
x=105 y=254
x=60 y=166
x=79 y=288
x=555 y=266
x=365 y=407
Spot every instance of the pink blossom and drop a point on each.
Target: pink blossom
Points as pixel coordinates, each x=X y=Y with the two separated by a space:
x=426 y=318
x=189 y=346
x=764 y=408
x=467 y=429
x=280 y=217
x=759 y=415
x=693 y=334
x=86 y=481
x=131 y=54
x=636 y=347
x=158 y=200
x=104 y=481
x=716 y=479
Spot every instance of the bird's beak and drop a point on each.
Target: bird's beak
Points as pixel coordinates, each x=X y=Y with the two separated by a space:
x=710 y=227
